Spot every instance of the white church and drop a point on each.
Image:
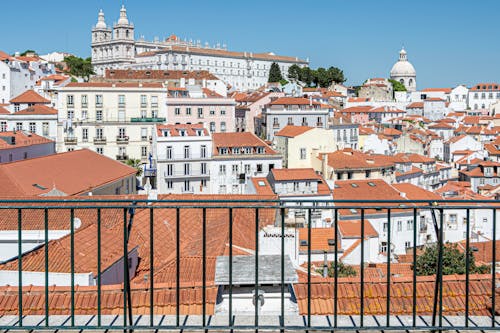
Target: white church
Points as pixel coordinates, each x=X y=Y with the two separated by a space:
x=117 y=48
x=404 y=72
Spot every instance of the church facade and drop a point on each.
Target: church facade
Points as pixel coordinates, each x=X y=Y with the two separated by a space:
x=117 y=48
x=404 y=72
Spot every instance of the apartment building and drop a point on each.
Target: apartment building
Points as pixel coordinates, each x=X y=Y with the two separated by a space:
x=182 y=153
x=296 y=111
x=482 y=95
x=114 y=119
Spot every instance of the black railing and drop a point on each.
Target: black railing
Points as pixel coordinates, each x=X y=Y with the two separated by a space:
x=198 y=264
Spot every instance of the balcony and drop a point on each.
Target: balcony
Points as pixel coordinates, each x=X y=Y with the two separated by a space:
x=99 y=140
x=121 y=157
x=148 y=120
x=98 y=105
x=319 y=124
x=122 y=139
x=191 y=174
x=70 y=140
x=121 y=105
x=98 y=277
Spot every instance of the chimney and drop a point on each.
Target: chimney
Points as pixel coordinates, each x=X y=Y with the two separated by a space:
x=324 y=164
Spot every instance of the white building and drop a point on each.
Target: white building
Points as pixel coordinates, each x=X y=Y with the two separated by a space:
x=293 y=111
x=404 y=72
x=114 y=119
x=458 y=98
x=182 y=153
x=238 y=156
x=482 y=95
x=117 y=48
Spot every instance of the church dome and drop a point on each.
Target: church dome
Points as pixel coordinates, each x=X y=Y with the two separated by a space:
x=123 y=20
x=403 y=67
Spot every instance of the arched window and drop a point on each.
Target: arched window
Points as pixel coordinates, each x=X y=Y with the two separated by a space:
x=402 y=81
x=475 y=106
x=410 y=83
x=126 y=33
x=482 y=106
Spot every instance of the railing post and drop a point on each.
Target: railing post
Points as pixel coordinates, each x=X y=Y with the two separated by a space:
x=414 y=280
x=282 y=319
x=257 y=227
x=20 y=264
x=467 y=267
x=99 y=281
x=231 y=268
x=493 y=269
x=388 y=305
x=335 y=268
x=46 y=245
x=72 y=240
x=309 y=267
x=151 y=266
x=362 y=270
x=177 y=267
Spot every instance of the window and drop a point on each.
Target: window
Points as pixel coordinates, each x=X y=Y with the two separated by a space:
x=203 y=168
x=222 y=126
x=85 y=134
x=98 y=115
x=84 y=101
x=259 y=167
x=222 y=189
x=144 y=101
x=98 y=100
x=144 y=114
x=187 y=169
x=154 y=101
x=400 y=225
x=407 y=245
x=121 y=133
x=70 y=114
x=100 y=150
x=70 y=101
x=144 y=133
x=235 y=169
x=303 y=152
x=260 y=150
x=212 y=127
x=203 y=183
x=3 y=126
x=169 y=152
x=32 y=127
x=203 y=151
x=19 y=126
x=170 y=184
x=84 y=114
x=177 y=111
x=222 y=169
x=247 y=168
x=212 y=112
x=290 y=121
x=384 y=228
x=170 y=169
x=187 y=153
x=98 y=133
x=121 y=100
x=222 y=112
x=188 y=111
x=144 y=151
x=200 y=112
x=409 y=225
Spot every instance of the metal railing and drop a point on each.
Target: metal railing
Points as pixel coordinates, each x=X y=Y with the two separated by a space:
x=215 y=305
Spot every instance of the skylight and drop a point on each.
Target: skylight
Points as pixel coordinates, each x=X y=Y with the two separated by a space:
x=261 y=183
x=354 y=185
x=371 y=184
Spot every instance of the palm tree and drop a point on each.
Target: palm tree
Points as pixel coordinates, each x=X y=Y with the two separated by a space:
x=135 y=163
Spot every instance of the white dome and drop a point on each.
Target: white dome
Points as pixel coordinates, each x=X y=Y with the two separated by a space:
x=403 y=67
x=123 y=16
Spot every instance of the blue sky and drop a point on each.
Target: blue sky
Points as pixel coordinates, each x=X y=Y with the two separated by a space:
x=448 y=41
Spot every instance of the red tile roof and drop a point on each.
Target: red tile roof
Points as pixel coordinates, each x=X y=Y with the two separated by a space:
x=349 y=159
x=319 y=239
x=37 y=109
x=22 y=139
x=174 y=129
x=238 y=139
x=29 y=97
x=295 y=174
x=352 y=229
x=445 y=90
x=72 y=172
x=293 y=101
x=162 y=75
x=144 y=85
x=413 y=192
x=262 y=186
x=415 y=105
x=290 y=131
x=485 y=86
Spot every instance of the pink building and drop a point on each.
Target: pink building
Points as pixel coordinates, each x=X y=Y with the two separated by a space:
x=249 y=106
x=196 y=105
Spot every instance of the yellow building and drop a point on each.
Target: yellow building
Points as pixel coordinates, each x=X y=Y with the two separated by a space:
x=299 y=145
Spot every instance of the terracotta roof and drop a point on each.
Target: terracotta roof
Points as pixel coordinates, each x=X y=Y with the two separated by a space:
x=441 y=125
x=72 y=172
x=290 y=131
x=414 y=192
x=5 y=56
x=445 y=90
x=412 y=158
x=295 y=174
x=413 y=171
x=358 y=99
x=375 y=292
x=211 y=94
x=319 y=239
x=485 y=86
x=29 y=97
x=4 y=110
x=391 y=132
x=262 y=186
x=415 y=105
x=37 y=109
x=162 y=75
x=456 y=138
x=191 y=300
x=22 y=139
x=144 y=85
x=174 y=129
x=293 y=101
x=216 y=52
x=348 y=159
x=352 y=229
x=238 y=139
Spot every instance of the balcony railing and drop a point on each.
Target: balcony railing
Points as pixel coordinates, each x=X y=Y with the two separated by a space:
x=122 y=139
x=177 y=277
x=70 y=140
x=121 y=157
x=100 y=140
x=148 y=120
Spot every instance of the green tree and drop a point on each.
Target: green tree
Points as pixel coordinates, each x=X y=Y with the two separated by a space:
x=343 y=270
x=397 y=86
x=321 y=77
x=453 y=261
x=27 y=51
x=79 y=67
x=135 y=163
x=275 y=73
x=294 y=72
x=306 y=76
x=336 y=75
